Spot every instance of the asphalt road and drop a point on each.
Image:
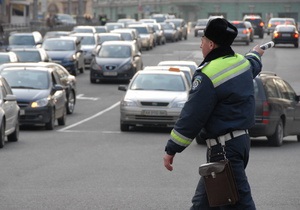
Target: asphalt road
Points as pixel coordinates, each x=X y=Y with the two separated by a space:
x=90 y=165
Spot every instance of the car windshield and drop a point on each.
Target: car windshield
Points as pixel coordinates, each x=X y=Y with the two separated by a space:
x=114 y=51
x=4 y=59
x=109 y=38
x=29 y=79
x=142 y=30
x=167 y=26
x=21 y=40
x=28 y=56
x=164 y=82
x=88 y=40
x=83 y=30
x=59 y=45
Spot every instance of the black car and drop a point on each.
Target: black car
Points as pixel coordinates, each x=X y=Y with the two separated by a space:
x=286 y=34
x=68 y=81
x=257 y=23
x=40 y=94
x=116 y=60
x=277 y=109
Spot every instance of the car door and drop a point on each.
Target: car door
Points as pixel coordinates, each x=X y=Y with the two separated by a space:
x=294 y=108
x=58 y=96
x=9 y=106
x=287 y=102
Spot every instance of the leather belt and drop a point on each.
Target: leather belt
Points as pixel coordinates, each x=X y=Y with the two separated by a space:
x=226 y=137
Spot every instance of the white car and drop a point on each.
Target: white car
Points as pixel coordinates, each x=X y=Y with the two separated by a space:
x=191 y=64
x=153 y=98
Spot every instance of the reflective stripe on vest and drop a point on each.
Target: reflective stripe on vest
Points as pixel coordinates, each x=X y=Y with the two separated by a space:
x=224 y=68
x=180 y=139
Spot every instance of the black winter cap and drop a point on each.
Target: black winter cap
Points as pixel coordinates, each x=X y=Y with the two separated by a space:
x=220 y=31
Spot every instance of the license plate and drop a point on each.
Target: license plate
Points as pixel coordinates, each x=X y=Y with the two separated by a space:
x=154 y=112
x=22 y=112
x=110 y=73
x=286 y=35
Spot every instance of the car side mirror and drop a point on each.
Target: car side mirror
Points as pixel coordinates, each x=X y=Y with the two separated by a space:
x=10 y=97
x=57 y=87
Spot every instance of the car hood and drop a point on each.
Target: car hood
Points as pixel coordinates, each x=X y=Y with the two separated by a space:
x=112 y=61
x=30 y=94
x=60 y=54
x=156 y=96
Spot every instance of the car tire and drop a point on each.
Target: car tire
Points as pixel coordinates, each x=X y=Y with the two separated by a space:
x=93 y=80
x=296 y=45
x=277 y=138
x=50 y=125
x=71 y=102
x=124 y=127
x=14 y=136
x=200 y=140
x=2 y=135
x=62 y=120
x=298 y=138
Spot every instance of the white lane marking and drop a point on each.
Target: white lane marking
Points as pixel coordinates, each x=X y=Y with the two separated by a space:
x=81 y=96
x=91 y=117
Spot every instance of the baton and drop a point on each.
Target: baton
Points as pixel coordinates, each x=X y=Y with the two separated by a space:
x=267 y=45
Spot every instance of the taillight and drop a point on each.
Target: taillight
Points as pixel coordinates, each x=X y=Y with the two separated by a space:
x=296 y=35
x=265 y=112
x=276 y=35
x=261 y=24
x=245 y=31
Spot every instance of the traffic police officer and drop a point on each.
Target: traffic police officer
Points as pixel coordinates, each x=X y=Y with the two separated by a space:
x=221 y=104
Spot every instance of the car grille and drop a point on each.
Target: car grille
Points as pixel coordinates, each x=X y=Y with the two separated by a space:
x=110 y=67
x=23 y=104
x=154 y=103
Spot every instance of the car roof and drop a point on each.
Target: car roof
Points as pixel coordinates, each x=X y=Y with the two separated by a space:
x=166 y=68
x=123 y=43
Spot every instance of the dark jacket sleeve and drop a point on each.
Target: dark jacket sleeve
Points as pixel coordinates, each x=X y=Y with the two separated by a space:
x=255 y=61
x=195 y=112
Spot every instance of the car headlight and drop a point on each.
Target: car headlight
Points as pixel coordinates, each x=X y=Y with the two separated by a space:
x=40 y=103
x=130 y=103
x=95 y=66
x=178 y=104
x=127 y=66
x=71 y=58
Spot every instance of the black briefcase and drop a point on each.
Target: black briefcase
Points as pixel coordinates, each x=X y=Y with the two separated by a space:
x=219 y=182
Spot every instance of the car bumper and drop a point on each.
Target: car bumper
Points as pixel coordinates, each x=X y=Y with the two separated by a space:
x=147 y=117
x=113 y=75
x=30 y=116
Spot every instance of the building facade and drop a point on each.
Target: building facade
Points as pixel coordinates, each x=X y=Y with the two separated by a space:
x=18 y=11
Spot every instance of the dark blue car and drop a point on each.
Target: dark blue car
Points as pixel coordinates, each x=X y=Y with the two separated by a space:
x=67 y=52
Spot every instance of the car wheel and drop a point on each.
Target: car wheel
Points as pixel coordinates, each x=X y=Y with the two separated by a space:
x=124 y=127
x=2 y=135
x=63 y=118
x=71 y=103
x=13 y=137
x=50 y=125
x=93 y=80
x=200 y=140
x=277 y=138
x=296 y=45
x=298 y=138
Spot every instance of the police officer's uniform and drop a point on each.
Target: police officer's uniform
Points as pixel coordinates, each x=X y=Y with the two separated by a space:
x=221 y=105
